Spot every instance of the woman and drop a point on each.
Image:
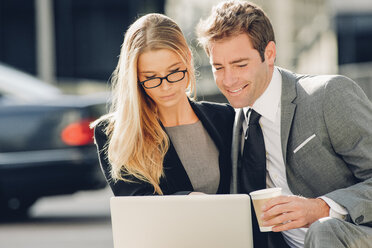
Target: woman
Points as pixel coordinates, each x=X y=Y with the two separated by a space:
x=156 y=140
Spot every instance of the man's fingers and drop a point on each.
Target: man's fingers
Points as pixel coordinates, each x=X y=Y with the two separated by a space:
x=287 y=226
x=284 y=208
x=280 y=219
x=276 y=201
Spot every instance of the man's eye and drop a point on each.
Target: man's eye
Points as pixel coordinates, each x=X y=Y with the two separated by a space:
x=149 y=77
x=218 y=68
x=242 y=65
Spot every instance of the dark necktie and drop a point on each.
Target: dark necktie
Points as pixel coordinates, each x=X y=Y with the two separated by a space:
x=253 y=166
x=253 y=177
x=253 y=170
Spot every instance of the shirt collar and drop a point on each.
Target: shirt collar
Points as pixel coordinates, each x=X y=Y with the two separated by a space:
x=268 y=103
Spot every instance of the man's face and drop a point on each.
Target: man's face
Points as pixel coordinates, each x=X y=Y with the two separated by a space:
x=238 y=69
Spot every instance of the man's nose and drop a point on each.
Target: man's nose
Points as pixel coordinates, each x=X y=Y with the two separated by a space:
x=230 y=77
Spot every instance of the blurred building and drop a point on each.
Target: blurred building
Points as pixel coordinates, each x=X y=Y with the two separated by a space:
x=353 y=27
x=68 y=40
x=72 y=40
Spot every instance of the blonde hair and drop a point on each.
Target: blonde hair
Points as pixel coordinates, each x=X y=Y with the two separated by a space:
x=231 y=18
x=137 y=142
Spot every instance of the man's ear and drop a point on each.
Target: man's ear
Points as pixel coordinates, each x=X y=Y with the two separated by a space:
x=270 y=53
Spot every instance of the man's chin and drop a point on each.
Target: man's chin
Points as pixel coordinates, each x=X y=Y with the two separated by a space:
x=235 y=103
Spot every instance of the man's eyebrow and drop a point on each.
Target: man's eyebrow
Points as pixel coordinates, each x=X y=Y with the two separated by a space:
x=233 y=62
x=239 y=60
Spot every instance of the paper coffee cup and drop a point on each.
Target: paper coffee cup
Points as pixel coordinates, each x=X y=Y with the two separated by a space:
x=259 y=198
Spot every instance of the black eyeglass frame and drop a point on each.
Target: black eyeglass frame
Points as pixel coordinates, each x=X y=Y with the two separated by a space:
x=162 y=78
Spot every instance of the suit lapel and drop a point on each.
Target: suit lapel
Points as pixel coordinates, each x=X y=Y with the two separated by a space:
x=287 y=107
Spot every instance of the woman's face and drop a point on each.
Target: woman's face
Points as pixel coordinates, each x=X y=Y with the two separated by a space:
x=163 y=63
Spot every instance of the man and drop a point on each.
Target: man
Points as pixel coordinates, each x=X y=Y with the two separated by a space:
x=314 y=135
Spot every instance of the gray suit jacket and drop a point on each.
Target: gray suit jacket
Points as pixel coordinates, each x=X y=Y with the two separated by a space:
x=326 y=134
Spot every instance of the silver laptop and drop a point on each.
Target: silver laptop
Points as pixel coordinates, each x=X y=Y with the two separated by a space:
x=194 y=221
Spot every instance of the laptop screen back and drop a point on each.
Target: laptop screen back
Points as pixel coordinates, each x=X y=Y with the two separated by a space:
x=208 y=221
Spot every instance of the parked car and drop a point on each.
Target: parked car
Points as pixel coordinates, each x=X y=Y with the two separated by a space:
x=46 y=145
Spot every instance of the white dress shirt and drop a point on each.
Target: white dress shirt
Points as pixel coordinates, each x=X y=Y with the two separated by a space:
x=268 y=105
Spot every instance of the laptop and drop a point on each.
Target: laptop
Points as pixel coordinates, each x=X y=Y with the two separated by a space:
x=188 y=221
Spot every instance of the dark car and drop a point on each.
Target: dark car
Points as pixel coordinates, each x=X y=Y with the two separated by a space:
x=46 y=145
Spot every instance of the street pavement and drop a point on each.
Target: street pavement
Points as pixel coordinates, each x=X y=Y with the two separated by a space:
x=75 y=221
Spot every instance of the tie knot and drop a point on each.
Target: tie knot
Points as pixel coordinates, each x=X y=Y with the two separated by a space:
x=254 y=118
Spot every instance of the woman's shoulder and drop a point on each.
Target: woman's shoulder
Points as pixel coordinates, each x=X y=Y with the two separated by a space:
x=100 y=131
x=101 y=125
x=213 y=106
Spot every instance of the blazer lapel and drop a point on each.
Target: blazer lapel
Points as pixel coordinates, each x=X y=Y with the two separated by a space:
x=207 y=120
x=287 y=107
x=176 y=177
x=175 y=173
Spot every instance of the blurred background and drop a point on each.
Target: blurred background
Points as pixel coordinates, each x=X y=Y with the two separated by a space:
x=52 y=191
x=75 y=43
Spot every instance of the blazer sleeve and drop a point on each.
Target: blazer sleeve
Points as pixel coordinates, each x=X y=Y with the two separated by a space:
x=348 y=117
x=119 y=188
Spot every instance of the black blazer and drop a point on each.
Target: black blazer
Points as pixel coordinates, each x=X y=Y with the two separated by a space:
x=217 y=119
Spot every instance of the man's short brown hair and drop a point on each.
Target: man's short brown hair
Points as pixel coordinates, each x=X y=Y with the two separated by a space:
x=233 y=18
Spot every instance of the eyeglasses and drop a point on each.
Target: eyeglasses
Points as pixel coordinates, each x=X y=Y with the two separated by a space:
x=154 y=82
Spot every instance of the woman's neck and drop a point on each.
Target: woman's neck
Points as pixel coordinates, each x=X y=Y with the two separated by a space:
x=181 y=114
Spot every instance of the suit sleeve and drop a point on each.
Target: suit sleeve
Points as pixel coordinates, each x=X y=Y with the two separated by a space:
x=348 y=117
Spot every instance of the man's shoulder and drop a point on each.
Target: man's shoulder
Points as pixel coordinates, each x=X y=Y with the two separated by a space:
x=310 y=84
x=312 y=79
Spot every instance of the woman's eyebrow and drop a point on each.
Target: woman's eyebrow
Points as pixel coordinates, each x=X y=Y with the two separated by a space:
x=177 y=63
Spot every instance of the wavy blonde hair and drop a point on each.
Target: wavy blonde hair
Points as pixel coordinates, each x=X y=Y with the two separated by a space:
x=137 y=142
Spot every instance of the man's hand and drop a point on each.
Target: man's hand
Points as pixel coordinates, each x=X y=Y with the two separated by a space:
x=290 y=212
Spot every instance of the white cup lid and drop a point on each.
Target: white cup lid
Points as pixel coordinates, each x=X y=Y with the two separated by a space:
x=266 y=193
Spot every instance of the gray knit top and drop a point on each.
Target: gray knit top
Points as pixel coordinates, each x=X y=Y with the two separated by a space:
x=198 y=154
